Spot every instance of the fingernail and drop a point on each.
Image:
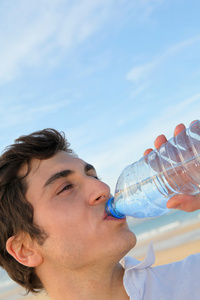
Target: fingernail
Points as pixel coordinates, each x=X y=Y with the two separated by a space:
x=174 y=205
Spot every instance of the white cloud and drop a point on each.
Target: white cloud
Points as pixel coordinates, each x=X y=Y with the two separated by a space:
x=140 y=72
x=174 y=49
x=148 y=7
x=39 y=32
x=143 y=73
x=23 y=33
x=21 y=114
x=115 y=153
x=33 y=31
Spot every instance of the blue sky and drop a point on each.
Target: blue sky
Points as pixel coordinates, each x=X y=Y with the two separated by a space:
x=111 y=74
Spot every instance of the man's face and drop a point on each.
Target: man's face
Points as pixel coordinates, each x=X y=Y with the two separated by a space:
x=69 y=205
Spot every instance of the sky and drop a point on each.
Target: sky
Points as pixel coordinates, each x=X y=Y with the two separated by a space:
x=111 y=74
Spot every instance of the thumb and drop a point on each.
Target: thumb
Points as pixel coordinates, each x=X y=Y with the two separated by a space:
x=187 y=203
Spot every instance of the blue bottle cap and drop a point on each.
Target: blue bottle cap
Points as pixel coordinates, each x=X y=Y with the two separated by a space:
x=111 y=210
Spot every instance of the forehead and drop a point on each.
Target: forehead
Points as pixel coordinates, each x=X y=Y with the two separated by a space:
x=41 y=170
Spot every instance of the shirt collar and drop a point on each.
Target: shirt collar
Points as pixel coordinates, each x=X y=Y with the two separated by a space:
x=131 y=263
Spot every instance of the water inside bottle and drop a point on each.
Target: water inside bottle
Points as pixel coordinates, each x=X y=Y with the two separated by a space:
x=149 y=196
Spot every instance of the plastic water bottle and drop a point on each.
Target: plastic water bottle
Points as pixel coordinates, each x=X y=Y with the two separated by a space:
x=145 y=186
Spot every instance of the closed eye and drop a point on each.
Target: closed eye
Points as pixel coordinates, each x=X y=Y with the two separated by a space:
x=95 y=176
x=90 y=171
x=66 y=187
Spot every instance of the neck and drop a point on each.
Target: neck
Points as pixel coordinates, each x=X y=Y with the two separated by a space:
x=97 y=283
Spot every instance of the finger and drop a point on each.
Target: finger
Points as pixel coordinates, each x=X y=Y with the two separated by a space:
x=193 y=122
x=158 y=142
x=179 y=128
x=146 y=152
x=187 y=203
x=161 y=139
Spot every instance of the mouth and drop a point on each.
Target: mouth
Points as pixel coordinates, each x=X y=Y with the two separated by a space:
x=108 y=217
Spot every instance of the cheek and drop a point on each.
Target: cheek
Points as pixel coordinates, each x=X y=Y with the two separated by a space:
x=53 y=214
x=67 y=246
x=64 y=229
x=74 y=235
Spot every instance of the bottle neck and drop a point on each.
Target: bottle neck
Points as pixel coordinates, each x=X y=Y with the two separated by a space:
x=111 y=209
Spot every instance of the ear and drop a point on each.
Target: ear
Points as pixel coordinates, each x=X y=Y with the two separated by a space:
x=22 y=248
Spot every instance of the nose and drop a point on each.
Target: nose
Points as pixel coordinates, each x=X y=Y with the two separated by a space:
x=97 y=191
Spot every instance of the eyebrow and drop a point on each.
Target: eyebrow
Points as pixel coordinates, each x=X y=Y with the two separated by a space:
x=89 y=167
x=65 y=174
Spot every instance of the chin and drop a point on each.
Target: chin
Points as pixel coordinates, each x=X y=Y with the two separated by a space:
x=131 y=242
x=126 y=243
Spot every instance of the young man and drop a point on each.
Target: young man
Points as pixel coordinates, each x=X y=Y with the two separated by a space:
x=56 y=235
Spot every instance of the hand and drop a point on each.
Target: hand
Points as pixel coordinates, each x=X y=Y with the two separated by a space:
x=181 y=201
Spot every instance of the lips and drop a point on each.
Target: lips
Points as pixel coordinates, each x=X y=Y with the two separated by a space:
x=109 y=217
x=106 y=216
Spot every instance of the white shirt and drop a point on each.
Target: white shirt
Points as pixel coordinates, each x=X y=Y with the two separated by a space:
x=174 y=281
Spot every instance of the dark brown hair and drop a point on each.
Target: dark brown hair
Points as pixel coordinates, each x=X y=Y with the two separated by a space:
x=16 y=213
